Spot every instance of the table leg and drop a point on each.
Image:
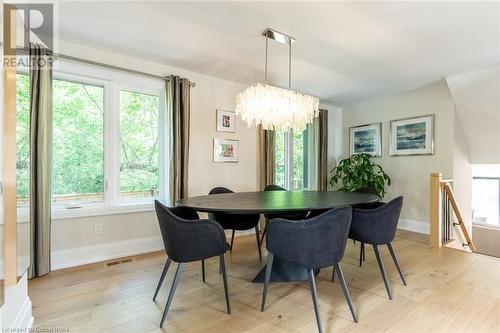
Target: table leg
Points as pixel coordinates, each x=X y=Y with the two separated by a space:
x=283 y=271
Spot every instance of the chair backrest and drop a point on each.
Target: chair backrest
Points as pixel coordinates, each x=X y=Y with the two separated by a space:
x=313 y=243
x=219 y=190
x=378 y=225
x=274 y=187
x=186 y=240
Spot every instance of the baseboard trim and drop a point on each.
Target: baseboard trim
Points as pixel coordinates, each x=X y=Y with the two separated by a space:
x=95 y=253
x=421 y=227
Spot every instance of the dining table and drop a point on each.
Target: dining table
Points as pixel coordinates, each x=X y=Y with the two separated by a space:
x=275 y=202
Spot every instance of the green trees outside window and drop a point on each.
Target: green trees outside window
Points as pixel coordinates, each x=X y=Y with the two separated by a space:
x=78 y=144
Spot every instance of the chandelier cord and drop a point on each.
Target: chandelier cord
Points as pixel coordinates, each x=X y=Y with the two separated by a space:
x=267 y=38
x=290 y=66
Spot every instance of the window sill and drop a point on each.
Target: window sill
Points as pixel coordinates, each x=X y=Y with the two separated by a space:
x=59 y=213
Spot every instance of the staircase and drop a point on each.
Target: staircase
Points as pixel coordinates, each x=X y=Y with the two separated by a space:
x=447 y=226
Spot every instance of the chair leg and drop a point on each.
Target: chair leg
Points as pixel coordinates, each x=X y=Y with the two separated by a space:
x=224 y=280
x=172 y=292
x=314 y=294
x=232 y=240
x=361 y=248
x=333 y=274
x=270 y=259
x=396 y=262
x=346 y=292
x=382 y=271
x=364 y=252
x=264 y=233
x=258 y=241
x=203 y=270
x=162 y=277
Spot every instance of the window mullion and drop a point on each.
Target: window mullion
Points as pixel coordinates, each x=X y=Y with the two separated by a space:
x=111 y=143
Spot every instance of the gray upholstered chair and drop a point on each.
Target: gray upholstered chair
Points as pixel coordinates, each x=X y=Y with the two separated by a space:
x=186 y=241
x=313 y=244
x=236 y=221
x=377 y=226
x=284 y=215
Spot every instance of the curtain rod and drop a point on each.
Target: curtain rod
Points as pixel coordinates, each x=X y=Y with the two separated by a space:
x=91 y=62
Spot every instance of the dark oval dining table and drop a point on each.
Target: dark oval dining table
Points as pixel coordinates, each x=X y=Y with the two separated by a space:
x=276 y=202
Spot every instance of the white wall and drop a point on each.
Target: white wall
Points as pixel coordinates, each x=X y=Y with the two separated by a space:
x=409 y=174
x=462 y=172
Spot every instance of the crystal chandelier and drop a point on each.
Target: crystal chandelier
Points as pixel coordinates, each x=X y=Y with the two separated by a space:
x=275 y=107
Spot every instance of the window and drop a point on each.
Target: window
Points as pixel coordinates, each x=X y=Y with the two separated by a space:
x=22 y=139
x=108 y=141
x=139 y=145
x=291 y=159
x=78 y=143
x=486 y=200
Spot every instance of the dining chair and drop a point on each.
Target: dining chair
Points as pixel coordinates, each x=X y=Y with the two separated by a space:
x=186 y=241
x=377 y=226
x=283 y=215
x=185 y=214
x=312 y=244
x=235 y=222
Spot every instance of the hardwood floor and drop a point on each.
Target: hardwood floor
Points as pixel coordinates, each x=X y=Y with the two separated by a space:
x=448 y=291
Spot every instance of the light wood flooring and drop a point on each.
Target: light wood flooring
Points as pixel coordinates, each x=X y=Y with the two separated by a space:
x=448 y=291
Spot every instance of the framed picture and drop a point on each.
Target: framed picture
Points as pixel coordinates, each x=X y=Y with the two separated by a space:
x=413 y=136
x=366 y=139
x=225 y=121
x=225 y=150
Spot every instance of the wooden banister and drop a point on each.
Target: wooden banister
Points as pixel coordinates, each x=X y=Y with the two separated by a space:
x=435 y=210
x=443 y=205
x=458 y=214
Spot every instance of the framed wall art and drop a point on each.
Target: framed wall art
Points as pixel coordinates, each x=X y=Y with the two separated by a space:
x=226 y=121
x=225 y=150
x=366 y=139
x=412 y=136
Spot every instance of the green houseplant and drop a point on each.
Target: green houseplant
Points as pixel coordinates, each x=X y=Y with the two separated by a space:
x=357 y=172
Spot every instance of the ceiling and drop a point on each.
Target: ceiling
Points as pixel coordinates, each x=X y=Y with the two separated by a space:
x=477 y=101
x=345 y=51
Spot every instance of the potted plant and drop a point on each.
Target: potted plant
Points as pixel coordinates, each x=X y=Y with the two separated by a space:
x=359 y=172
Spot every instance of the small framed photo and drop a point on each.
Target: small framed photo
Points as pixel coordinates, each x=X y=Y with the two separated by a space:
x=225 y=150
x=412 y=136
x=366 y=139
x=225 y=121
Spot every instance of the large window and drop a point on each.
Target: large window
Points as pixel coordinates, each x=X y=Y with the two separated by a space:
x=486 y=200
x=139 y=145
x=107 y=144
x=291 y=159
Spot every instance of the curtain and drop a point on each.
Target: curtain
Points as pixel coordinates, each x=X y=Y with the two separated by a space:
x=322 y=126
x=178 y=109
x=267 y=141
x=40 y=159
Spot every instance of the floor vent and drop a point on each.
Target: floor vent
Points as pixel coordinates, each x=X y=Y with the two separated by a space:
x=118 y=262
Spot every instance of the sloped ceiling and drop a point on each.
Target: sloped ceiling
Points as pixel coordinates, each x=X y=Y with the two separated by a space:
x=477 y=102
x=345 y=51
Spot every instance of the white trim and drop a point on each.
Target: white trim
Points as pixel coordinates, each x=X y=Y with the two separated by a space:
x=421 y=227
x=92 y=210
x=24 y=318
x=101 y=252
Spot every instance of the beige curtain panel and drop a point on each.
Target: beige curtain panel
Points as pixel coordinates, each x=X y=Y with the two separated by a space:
x=322 y=150
x=178 y=112
x=40 y=159
x=267 y=141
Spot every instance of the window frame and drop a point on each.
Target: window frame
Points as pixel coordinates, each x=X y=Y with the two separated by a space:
x=498 y=182
x=113 y=82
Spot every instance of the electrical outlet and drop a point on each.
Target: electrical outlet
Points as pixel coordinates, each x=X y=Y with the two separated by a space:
x=98 y=228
